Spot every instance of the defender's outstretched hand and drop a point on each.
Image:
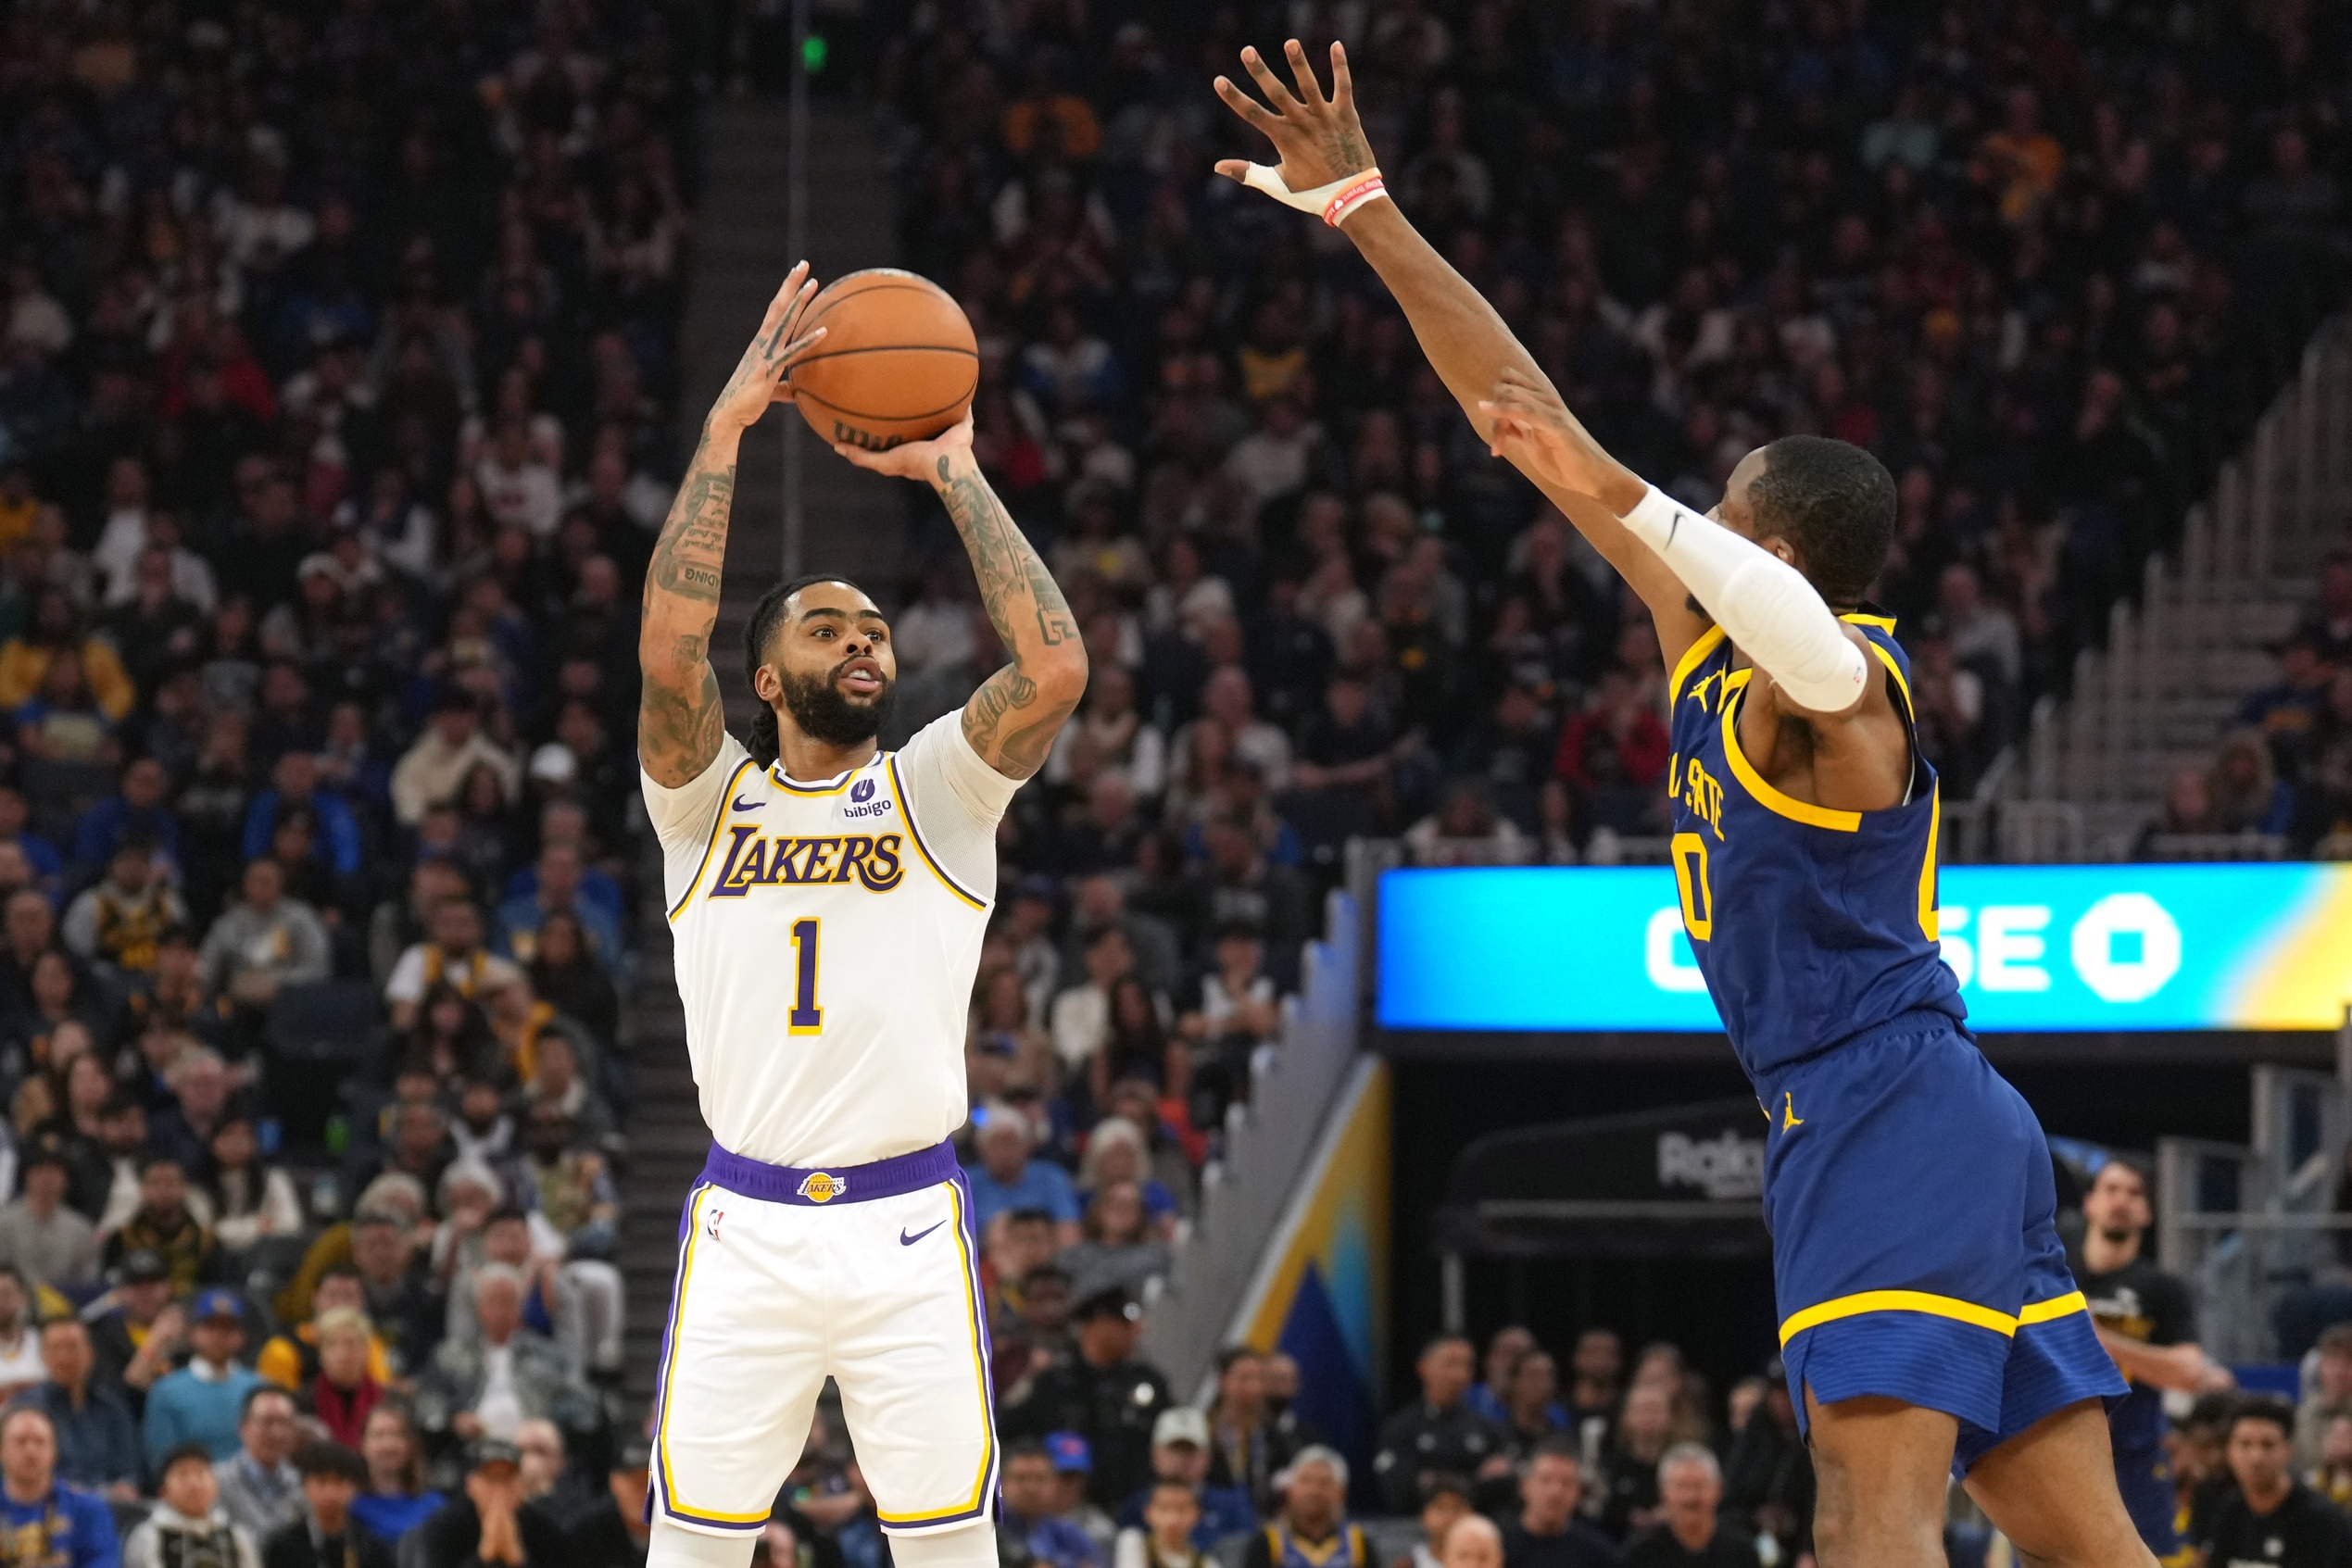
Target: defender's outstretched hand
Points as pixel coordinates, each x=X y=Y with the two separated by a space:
x=757 y=379
x=915 y=460
x=1533 y=428
x=1320 y=139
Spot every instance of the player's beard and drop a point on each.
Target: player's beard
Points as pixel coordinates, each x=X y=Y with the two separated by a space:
x=2115 y=1235
x=824 y=714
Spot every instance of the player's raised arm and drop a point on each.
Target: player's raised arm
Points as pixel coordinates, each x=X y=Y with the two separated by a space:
x=679 y=714
x=1324 y=155
x=1012 y=719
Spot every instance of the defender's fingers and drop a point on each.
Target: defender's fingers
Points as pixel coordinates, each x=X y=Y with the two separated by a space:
x=1249 y=108
x=1342 y=80
x=1310 y=90
x=1233 y=168
x=1269 y=83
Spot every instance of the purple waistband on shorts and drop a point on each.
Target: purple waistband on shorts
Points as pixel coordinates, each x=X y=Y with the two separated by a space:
x=818 y=1186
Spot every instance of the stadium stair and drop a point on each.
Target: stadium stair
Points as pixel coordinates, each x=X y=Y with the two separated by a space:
x=2160 y=694
x=855 y=525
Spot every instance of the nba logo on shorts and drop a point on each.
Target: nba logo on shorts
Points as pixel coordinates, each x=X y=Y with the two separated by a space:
x=862 y=791
x=713 y=1228
x=822 y=1187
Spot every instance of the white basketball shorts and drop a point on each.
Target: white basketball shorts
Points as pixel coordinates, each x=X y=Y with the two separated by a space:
x=867 y=1274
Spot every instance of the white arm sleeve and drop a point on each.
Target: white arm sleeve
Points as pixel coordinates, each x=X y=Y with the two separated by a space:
x=1763 y=604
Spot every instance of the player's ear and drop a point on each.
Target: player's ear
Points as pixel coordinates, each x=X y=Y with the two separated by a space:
x=766 y=684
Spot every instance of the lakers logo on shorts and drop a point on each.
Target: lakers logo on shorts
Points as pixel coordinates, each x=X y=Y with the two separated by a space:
x=822 y=1187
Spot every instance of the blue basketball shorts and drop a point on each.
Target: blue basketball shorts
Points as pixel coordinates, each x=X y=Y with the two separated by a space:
x=1915 y=1244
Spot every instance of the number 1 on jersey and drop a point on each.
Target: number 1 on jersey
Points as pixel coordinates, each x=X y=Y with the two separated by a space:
x=807 y=1017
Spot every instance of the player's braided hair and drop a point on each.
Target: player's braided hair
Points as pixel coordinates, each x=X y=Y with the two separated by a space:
x=763 y=742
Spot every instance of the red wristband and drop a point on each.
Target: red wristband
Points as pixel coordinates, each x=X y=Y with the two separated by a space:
x=1352 y=197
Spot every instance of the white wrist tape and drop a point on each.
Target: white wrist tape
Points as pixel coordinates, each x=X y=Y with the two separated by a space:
x=1333 y=203
x=1763 y=604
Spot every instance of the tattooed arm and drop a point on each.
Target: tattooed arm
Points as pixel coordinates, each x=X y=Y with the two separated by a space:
x=679 y=714
x=1012 y=719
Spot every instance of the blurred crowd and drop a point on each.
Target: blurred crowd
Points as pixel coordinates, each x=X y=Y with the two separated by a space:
x=336 y=367
x=2280 y=781
x=2047 y=261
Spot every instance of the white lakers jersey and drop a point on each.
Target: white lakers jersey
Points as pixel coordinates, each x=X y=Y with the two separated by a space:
x=827 y=937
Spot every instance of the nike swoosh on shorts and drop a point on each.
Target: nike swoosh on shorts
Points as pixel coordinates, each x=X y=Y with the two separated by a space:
x=906 y=1240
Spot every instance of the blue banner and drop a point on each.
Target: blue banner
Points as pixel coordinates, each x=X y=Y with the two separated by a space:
x=2035 y=948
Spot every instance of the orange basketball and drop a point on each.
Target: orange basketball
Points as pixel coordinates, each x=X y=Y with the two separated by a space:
x=898 y=361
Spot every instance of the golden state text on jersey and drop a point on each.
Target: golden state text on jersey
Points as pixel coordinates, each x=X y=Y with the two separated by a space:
x=1810 y=924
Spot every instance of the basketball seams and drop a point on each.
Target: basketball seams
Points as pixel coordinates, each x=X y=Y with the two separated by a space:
x=858 y=375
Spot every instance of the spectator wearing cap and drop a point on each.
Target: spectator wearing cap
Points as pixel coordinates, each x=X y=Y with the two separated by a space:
x=1312 y=1530
x=97 y=1441
x=164 y=1224
x=1438 y=1432
x=265 y=941
x=326 y=1535
x=118 y=923
x=40 y=1233
x=487 y=1521
x=1073 y=1464
x=295 y=786
x=1689 y=1533
x=259 y=1485
x=1007 y=1178
x=1106 y=1393
x=44 y=1520
x=1180 y=1453
x=188 y=1524
x=20 y=1365
x=1031 y=1492
x=137 y=1329
x=452 y=746
x=205 y=1401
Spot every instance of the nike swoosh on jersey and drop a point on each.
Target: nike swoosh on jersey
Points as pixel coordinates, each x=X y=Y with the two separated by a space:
x=742 y=805
x=906 y=1240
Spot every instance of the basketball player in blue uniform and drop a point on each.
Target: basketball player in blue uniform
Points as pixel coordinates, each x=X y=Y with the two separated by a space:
x=1929 y=1323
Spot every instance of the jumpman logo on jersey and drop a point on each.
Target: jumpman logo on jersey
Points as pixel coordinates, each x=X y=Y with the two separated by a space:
x=1790 y=1120
x=1699 y=692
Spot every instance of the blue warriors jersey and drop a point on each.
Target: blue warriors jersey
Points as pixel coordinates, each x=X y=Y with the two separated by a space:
x=1809 y=924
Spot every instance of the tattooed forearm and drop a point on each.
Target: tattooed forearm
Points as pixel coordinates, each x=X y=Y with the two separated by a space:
x=679 y=712
x=1012 y=719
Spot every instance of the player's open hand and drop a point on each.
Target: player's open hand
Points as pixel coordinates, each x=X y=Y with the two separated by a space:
x=1320 y=139
x=758 y=378
x=927 y=461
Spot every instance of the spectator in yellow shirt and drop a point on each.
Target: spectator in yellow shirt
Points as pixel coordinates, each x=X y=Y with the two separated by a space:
x=24 y=658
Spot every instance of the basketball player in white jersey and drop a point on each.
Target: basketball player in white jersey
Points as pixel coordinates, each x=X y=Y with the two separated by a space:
x=828 y=900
